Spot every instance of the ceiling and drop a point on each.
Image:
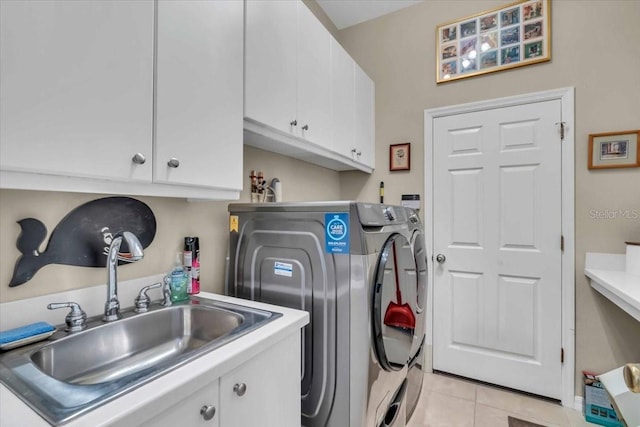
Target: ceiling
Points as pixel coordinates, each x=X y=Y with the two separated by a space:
x=345 y=13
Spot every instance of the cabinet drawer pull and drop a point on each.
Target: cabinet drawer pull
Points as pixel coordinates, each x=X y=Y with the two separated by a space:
x=207 y=412
x=294 y=123
x=240 y=389
x=305 y=127
x=173 y=163
x=138 y=159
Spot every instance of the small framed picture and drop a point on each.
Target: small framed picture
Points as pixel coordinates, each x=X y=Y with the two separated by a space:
x=614 y=150
x=400 y=157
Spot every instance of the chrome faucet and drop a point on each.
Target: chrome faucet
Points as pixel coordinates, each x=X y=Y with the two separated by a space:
x=112 y=306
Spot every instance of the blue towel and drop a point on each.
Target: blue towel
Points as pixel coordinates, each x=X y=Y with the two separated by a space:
x=25 y=332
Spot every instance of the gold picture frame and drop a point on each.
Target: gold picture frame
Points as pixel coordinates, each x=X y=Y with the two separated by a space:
x=400 y=157
x=614 y=150
x=510 y=36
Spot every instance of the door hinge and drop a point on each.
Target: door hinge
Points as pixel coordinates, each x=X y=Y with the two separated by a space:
x=561 y=355
x=561 y=243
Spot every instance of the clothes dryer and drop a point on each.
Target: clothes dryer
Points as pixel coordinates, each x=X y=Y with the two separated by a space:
x=350 y=265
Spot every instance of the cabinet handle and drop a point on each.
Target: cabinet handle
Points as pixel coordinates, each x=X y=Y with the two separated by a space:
x=354 y=151
x=138 y=159
x=207 y=412
x=173 y=163
x=359 y=153
x=305 y=127
x=240 y=389
x=294 y=123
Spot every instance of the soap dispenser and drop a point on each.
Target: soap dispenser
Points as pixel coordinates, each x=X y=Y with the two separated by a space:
x=178 y=281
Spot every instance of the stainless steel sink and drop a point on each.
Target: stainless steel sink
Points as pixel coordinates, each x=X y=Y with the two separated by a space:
x=74 y=373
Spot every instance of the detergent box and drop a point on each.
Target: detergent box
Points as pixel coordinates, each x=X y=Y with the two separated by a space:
x=597 y=406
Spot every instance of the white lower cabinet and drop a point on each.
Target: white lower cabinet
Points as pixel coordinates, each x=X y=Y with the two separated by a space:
x=200 y=408
x=271 y=385
x=264 y=391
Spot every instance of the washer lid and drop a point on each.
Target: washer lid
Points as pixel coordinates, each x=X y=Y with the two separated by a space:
x=394 y=303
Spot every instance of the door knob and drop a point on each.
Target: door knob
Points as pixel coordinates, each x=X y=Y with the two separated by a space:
x=173 y=163
x=138 y=159
x=441 y=258
x=207 y=412
x=240 y=389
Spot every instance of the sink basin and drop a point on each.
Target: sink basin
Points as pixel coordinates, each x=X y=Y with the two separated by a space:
x=120 y=349
x=75 y=373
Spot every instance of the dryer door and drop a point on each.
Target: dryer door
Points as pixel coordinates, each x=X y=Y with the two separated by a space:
x=419 y=294
x=394 y=308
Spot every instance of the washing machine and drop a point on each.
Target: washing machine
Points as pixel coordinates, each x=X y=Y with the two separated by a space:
x=351 y=266
x=415 y=369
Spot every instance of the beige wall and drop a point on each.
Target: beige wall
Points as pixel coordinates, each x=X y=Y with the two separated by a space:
x=596 y=50
x=175 y=218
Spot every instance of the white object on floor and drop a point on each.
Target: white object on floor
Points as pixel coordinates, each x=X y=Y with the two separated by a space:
x=626 y=402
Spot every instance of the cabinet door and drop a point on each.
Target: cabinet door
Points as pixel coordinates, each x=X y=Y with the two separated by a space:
x=199 y=93
x=186 y=412
x=270 y=67
x=314 y=78
x=365 y=118
x=77 y=87
x=271 y=395
x=342 y=101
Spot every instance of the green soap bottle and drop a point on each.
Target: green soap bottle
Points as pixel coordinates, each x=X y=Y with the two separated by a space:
x=179 y=280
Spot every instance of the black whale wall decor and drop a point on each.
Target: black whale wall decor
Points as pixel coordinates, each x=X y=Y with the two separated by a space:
x=83 y=237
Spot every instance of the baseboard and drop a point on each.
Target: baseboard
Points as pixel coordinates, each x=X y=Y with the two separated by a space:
x=578 y=403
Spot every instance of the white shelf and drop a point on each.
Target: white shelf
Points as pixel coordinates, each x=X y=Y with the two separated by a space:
x=608 y=276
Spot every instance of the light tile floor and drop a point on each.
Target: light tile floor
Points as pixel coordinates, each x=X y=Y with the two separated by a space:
x=452 y=402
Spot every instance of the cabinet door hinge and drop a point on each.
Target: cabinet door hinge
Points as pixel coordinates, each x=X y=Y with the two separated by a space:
x=561 y=355
x=561 y=130
x=562 y=243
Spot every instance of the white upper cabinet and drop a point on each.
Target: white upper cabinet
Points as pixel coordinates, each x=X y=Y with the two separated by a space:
x=314 y=78
x=300 y=94
x=77 y=85
x=271 y=63
x=198 y=101
x=343 y=112
x=364 y=118
x=287 y=77
x=101 y=96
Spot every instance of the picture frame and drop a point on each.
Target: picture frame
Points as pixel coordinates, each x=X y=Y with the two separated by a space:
x=614 y=150
x=507 y=37
x=400 y=157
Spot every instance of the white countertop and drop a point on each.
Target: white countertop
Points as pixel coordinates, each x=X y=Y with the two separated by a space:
x=180 y=383
x=608 y=276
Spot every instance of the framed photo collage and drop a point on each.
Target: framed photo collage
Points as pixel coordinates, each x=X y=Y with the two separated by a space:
x=512 y=36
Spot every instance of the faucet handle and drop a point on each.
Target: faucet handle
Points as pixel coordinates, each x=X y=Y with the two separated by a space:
x=143 y=301
x=76 y=319
x=166 y=291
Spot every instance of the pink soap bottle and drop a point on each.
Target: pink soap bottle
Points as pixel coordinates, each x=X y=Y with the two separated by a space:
x=195 y=267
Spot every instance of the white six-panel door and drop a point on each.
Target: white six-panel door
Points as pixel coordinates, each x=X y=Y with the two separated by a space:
x=497 y=226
